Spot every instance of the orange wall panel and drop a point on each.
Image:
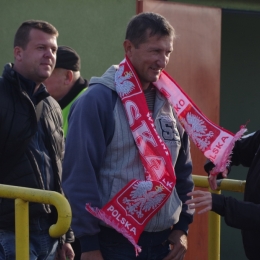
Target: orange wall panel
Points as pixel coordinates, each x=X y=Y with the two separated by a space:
x=195 y=65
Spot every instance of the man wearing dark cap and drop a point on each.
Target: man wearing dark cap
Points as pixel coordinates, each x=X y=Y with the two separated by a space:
x=65 y=83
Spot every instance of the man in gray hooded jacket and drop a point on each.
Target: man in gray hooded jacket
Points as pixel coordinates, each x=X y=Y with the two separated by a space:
x=101 y=155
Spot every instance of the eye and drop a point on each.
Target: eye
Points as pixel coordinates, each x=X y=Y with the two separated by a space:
x=54 y=50
x=155 y=51
x=168 y=53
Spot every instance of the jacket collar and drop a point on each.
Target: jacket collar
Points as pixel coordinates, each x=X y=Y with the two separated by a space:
x=25 y=85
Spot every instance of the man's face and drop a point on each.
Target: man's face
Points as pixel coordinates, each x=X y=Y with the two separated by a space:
x=150 y=58
x=55 y=83
x=37 y=61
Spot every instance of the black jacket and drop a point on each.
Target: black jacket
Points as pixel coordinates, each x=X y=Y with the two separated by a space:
x=244 y=215
x=18 y=125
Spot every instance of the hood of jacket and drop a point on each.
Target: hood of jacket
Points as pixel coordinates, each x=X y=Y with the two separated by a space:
x=107 y=79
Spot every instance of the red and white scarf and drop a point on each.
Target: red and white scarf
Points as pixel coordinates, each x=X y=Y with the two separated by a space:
x=132 y=207
x=215 y=142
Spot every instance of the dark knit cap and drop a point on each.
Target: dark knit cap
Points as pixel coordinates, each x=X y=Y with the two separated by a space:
x=67 y=58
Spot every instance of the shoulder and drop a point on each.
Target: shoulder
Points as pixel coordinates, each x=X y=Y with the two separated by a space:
x=51 y=108
x=4 y=90
x=51 y=102
x=98 y=90
x=6 y=87
x=96 y=95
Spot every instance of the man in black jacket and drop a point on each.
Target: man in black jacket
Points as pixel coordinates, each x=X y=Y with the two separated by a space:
x=31 y=138
x=245 y=214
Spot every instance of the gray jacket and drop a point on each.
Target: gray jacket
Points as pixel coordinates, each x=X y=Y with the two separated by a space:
x=101 y=157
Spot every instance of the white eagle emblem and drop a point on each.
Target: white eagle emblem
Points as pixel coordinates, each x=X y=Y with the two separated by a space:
x=143 y=198
x=123 y=86
x=197 y=131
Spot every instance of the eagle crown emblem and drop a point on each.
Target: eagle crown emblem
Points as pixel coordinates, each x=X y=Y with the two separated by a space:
x=144 y=198
x=123 y=85
x=197 y=130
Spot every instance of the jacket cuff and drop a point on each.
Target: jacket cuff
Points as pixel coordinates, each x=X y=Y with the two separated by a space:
x=89 y=243
x=208 y=166
x=69 y=238
x=183 y=224
x=218 y=204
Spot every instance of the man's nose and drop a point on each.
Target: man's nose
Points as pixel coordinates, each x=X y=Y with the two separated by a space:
x=163 y=61
x=50 y=54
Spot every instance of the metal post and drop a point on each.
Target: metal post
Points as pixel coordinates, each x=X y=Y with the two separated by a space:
x=214 y=235
x=213 y=224
x=21 y=229
x=22 y=197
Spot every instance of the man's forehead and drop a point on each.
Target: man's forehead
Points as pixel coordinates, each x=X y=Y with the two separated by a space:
x=149 y=34
x=159 y=38
x=36 y=34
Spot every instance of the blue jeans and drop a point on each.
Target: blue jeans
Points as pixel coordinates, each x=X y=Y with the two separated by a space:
x=115 y=246
x=41 y=245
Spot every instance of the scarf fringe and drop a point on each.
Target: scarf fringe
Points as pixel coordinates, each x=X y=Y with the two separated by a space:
x=96 y=212
x=225 y=159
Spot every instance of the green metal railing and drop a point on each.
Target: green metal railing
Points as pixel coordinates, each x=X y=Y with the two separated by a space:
x=214 y=219
x=22 y=197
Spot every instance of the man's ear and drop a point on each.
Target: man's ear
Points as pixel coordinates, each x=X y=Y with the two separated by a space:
x=128 y=46
x=18 y=53
x=68 y=77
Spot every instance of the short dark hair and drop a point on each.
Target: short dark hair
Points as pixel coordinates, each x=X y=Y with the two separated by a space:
x=21 y=38
x=145 y=25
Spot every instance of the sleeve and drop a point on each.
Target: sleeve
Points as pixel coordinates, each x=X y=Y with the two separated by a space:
x=237 y=214
x=184 y=182
x=91 y=127
x=243 y=152
x=68 y=237
x=208 y=166
x=245 y=149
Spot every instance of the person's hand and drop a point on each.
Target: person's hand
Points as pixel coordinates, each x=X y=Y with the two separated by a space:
x=65 y=252
x=201 y=199
x=179 y=245
x=92 y=255
x=213 y=179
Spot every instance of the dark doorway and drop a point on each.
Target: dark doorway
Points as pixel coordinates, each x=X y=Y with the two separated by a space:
x=239 y=98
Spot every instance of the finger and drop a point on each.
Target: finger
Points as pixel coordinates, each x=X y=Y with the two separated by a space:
x=211 y=179
x=61 y=255
x=196 y=192
x=179 y=254
x=198 y=200
x=212 y=182
x=204 y=210
x=203 y=204
x=225 y=173
x=174 y=254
